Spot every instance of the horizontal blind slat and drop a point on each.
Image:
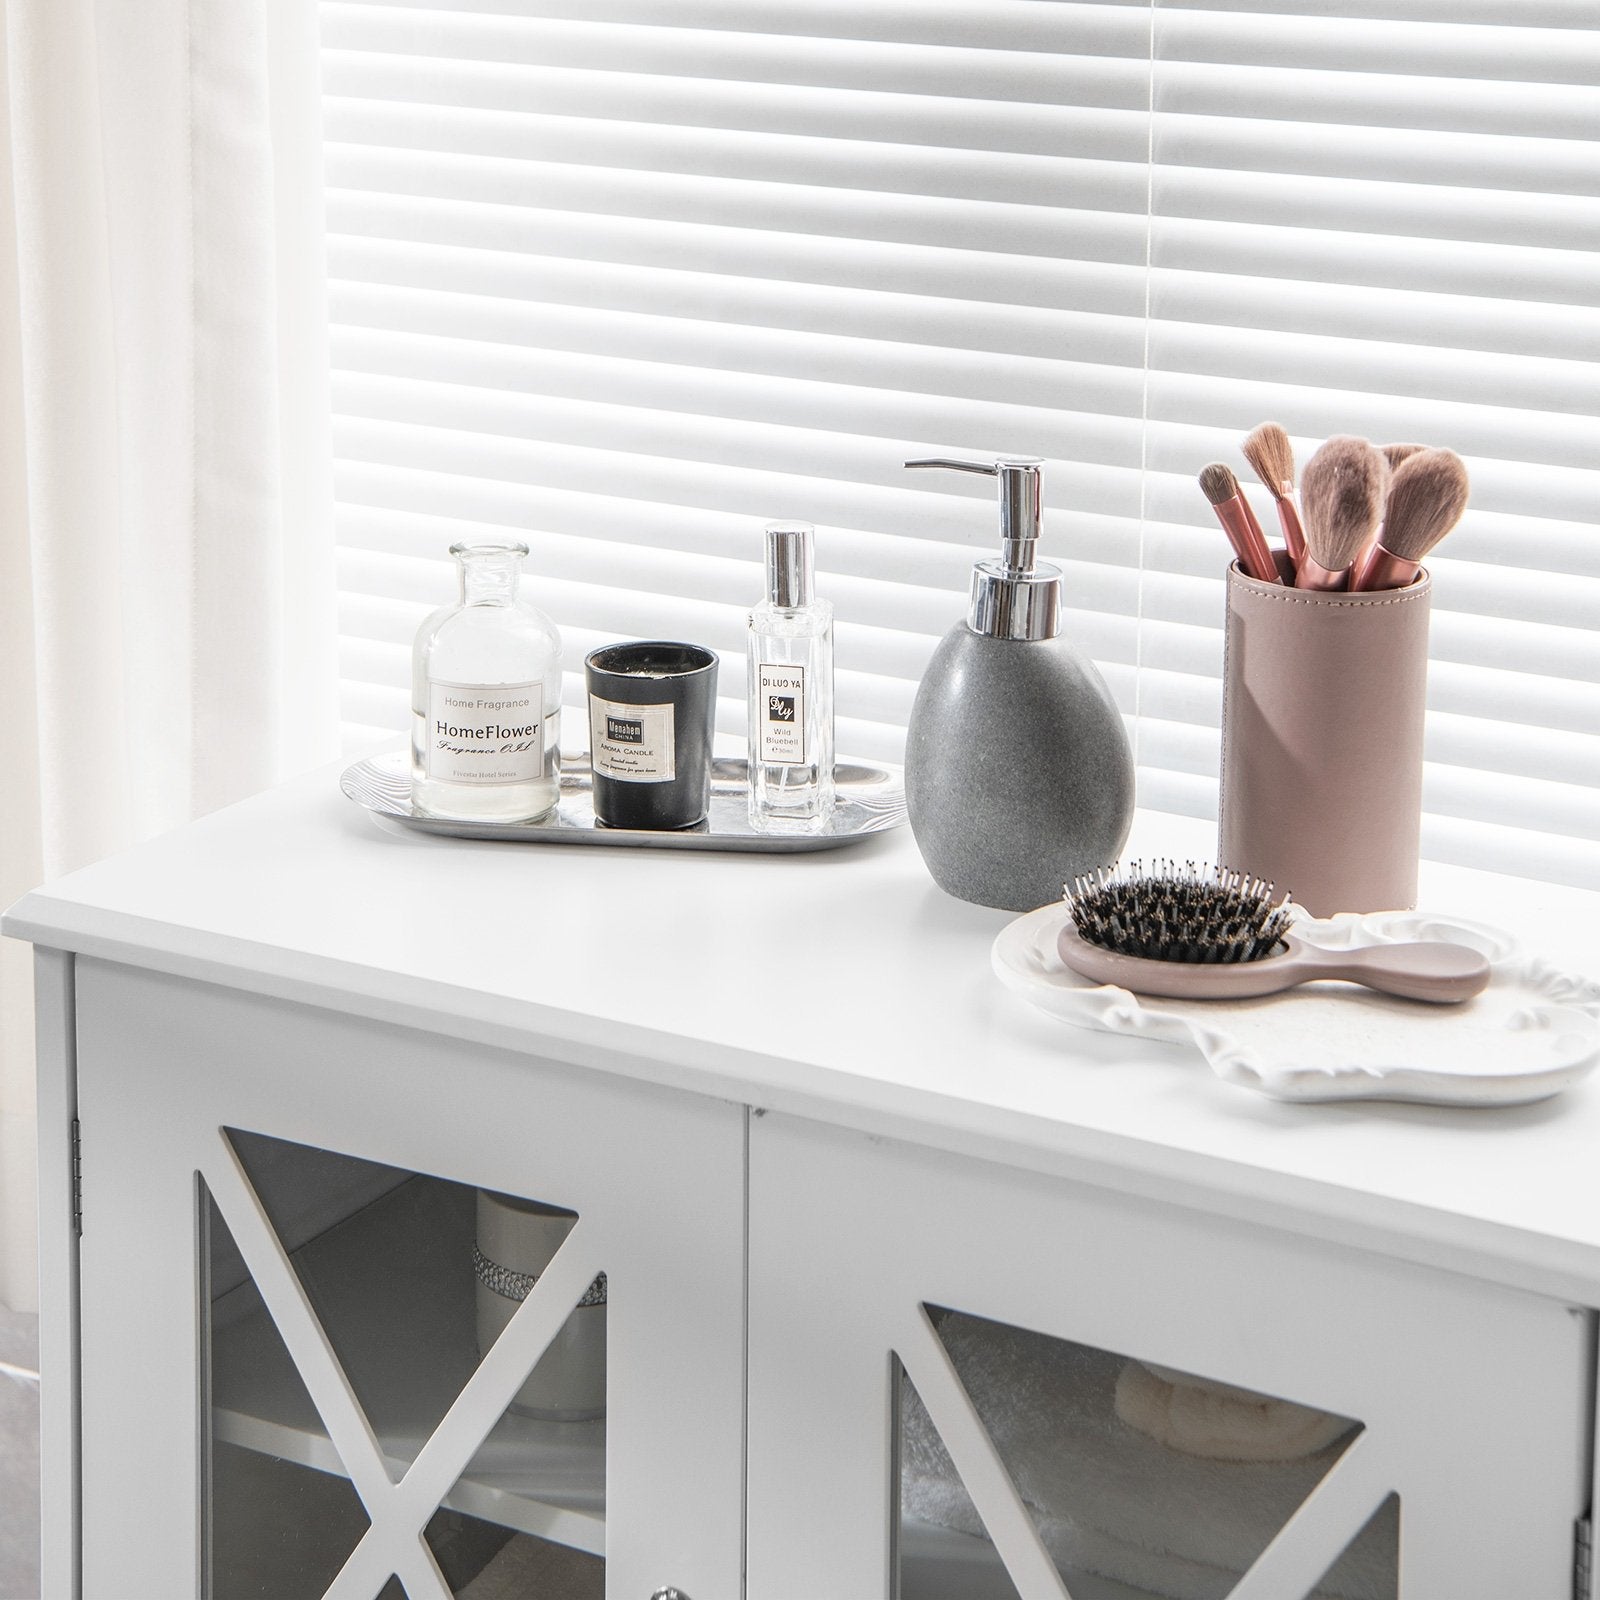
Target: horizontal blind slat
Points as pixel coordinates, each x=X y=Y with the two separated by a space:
x=505 y=204
x=855 y=385
x=1109 y=280
x=1105 y=55
x=376 y=283
x=1014 y=24
x=419 y=150
x=956 y=22
x=1103 y=479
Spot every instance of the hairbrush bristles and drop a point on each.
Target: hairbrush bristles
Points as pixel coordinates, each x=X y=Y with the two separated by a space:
x=1193 y=913
x=1271 y=457
x=1426 y=497
x=1341 y=495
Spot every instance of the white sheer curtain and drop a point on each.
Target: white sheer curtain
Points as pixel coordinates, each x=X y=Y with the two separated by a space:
x=166 y=622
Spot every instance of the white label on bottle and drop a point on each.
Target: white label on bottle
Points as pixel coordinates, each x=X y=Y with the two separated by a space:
x=485 y=733
x=781 y=714
x=631 y=743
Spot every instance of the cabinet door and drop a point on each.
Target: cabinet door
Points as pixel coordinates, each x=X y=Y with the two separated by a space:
x=317 y=1355
x=972 y=1381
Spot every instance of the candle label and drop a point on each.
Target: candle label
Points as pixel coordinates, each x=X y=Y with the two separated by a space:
x=631 y=743
x=485 y=733
x=781 y=701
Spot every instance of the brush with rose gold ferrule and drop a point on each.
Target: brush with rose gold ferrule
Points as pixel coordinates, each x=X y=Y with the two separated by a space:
x=1426 y=498
x=1238 y=521
x=1271 y=457
x=1341 y=494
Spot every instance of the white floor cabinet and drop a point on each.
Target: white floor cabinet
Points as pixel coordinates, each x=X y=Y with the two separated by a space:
x=890 y=1264
x=1469 y=1397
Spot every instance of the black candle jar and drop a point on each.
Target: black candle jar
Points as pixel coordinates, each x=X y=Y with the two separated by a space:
x=652 y=713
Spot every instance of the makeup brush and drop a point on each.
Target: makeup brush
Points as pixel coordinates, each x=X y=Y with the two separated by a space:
x=1341 y=496
x=1238 y=521
x=1271 y=457
x=1427 y=495
x=1394 y=454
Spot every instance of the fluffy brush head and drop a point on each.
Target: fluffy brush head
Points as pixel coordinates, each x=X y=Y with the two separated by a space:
x=1193 y=913
x=1271 y=457
x=1218 y=483
x=1341 y=500
x=1394 y=454
x=1426 y=497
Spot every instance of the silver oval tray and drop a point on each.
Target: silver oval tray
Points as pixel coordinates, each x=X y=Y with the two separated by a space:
x=870 y=799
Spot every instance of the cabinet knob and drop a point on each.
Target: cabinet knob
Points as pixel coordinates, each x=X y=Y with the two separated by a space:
x=669 y=1593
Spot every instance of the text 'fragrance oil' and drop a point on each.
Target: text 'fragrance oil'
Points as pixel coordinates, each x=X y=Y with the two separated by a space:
x=791 y=691
x=486 y=698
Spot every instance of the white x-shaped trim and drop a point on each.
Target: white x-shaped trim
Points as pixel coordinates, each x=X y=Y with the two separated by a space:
x=1323 y=1526
x=994 y=1496
x=399 y=1512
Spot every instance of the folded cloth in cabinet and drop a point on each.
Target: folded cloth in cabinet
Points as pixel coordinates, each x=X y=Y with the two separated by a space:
x=1218 y=1421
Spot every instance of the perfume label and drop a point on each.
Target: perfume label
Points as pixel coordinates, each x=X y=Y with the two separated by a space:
x=485 y=734
x=631 y=743
x=781 y=713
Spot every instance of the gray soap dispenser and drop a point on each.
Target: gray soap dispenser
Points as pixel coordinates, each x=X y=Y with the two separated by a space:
x=1018 y=772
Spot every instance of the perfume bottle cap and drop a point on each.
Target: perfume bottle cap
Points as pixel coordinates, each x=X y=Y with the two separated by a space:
x=790 y=582
x=1017 y=596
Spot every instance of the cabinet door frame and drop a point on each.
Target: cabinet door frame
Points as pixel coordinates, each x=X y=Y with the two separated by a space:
x=657 y=1177
x=55 y=1031
x=1482 y=1431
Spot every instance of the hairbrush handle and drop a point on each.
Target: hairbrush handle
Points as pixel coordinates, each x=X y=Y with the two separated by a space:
x=1426 y=970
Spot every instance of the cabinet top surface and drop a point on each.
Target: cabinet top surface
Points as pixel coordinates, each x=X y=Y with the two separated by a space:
x=841 y=985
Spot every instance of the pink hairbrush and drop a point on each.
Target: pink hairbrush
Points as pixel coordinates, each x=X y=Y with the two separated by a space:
x=1209 y=933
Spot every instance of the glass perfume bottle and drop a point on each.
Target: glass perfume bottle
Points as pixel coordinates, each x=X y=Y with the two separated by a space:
x=790 y=651
x=486 y=698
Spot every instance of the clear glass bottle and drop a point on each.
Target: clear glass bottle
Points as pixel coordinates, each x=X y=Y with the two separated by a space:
x=790 y=651
x=486 y=698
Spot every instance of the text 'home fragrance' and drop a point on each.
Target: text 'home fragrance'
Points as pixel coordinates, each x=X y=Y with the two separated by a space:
x=486 y=698
x=791 y=691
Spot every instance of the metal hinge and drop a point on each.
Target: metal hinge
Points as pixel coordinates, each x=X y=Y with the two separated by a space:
x=77 y=1179
x=1582 y=1558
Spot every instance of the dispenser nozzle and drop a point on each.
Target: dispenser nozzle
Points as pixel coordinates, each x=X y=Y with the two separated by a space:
x=1019 y=504
x=1013 y=598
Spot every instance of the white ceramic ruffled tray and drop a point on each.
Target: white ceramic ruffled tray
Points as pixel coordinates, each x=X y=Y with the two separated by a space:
x=1534 y=1030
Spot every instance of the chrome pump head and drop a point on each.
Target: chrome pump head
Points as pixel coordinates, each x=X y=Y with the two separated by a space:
x=1016 y=597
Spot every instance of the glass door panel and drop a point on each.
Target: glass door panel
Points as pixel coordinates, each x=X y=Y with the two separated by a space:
x=1138 y=1481
x=351 y=1308
x=484 y=1561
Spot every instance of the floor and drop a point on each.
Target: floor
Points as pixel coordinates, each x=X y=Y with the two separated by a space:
x=19 y=1456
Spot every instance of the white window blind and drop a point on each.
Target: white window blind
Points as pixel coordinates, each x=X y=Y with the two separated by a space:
x=627 y=278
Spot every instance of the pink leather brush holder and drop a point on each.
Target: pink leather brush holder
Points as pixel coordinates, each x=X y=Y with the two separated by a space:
x=1322 y=714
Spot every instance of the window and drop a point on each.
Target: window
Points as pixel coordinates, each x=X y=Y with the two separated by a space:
x=627 y=278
